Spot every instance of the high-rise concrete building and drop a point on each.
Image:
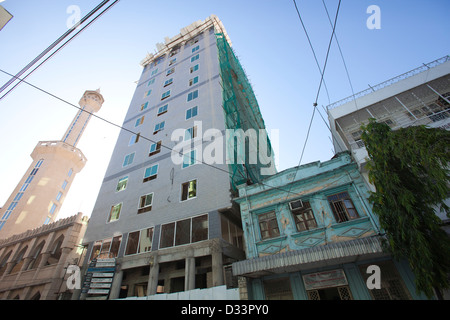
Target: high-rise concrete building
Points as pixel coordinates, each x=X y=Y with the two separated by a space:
x=164 y=211
x=418 y=97
x=38 y=197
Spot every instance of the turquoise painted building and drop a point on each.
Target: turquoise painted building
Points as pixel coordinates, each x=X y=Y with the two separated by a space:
x=310 y=234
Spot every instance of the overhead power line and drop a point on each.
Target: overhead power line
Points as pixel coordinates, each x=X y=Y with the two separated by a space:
x=322 y=73
x=19 y=77
x=128 y=130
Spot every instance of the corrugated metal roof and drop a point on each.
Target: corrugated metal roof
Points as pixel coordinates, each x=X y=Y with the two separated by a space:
x=291 y=260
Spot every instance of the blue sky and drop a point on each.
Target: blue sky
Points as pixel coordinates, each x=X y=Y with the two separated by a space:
x=266 y=35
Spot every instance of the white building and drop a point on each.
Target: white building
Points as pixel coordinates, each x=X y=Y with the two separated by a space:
x=168 y=219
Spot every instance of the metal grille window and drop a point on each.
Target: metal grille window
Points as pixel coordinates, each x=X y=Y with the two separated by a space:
x=268 y=225
x=342 y=207
x=392 y=285
x=278 y=289
x=304 y=216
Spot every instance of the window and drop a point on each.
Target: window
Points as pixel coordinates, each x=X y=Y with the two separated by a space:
x=70 y=172
x=115 y=212
x=192 y=112
x=195 y=49
x=192 y=95
x=167 y=235
x=194 y=68
x=139 y=241
x=154 y=71
x=150 y=173
x=190 y=133
x=278 y=289
x=145 y=203
x=147 y=93
x=303 y=215
x=200 y=228
x=189 y=190
x=184 y=231
x=159 y=127
x=170 y=71
x=58 y=196
x=189 y=159
x=357 y=138
x=165 y=95
x=128 y=159
x=171 y=62
x=144 y=106
x=107 y=248
x=64 y=185
x=122 y=184
x=139 y=121
x=52 y=209
x=268 y=225
x=168 y=82
x=193 y=81
x=134 y=139
x=155 y=148
x=195 y=57
x=342 y=207
x=152 y=81
x=162 y=110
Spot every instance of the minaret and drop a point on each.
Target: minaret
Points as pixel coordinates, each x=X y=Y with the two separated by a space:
x=38 y=197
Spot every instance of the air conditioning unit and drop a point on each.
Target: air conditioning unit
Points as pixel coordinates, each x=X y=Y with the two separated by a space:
x=295 y=205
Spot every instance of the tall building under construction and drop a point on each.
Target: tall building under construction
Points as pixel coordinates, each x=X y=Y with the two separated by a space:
x=164 y=216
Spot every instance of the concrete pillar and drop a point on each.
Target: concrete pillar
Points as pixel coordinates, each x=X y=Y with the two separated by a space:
x=152 y=284
x=115 y=286
x=189 y=277
x=217 y=265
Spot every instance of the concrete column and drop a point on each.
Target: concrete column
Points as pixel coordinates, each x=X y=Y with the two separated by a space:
x=189 y=277
x=217 y=265
x=116 y=284
x=152 y=284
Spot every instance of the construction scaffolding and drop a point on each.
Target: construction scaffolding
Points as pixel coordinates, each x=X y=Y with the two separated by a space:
x=242 y=111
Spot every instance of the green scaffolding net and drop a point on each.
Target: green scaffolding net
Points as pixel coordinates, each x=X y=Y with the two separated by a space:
x=248 y=151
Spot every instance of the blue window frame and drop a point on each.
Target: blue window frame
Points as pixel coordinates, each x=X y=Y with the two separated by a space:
x=192 y=95
x=150 y=173
x=192 y=112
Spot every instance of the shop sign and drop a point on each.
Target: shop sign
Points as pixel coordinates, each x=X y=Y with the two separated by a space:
x=326 y=279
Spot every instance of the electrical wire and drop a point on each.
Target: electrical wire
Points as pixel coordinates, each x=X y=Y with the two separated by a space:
x=128 y=130
x=53 y=45
x=322 y=72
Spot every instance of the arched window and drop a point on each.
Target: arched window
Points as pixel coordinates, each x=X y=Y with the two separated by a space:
x=36 y=256
x=55 y=254
x=3 y=262
x=18 y=261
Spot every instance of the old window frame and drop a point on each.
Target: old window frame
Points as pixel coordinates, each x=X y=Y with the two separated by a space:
x=303 y=216
x=268 y=225
x=340 y=206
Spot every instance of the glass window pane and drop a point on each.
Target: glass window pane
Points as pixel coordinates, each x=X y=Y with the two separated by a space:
x=114 y=250
x=167 y=234
x=200 y=228
x=183 y=234
x=132 y=243
x=145 y=243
